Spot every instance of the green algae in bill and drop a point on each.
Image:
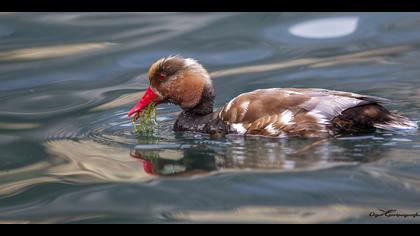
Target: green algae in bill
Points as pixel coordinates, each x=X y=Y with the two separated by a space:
x=145 y=122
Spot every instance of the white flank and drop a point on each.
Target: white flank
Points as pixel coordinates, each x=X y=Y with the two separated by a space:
x=270 y=128
x=239 y=128
x=322 y=119
x=286 y=117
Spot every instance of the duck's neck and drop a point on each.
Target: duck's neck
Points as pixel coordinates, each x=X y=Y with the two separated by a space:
x=201 y=118
x=205 y=106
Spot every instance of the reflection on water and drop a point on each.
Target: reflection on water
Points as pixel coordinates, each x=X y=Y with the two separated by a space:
x=257 y=154
x=69 y=153
x=50 y=52
x=289 y=215
x=325 y=28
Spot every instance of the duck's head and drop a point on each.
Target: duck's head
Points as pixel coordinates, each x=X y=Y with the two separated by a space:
x=181 y=81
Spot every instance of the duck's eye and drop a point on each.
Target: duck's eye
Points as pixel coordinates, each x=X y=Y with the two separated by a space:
x=162 y=77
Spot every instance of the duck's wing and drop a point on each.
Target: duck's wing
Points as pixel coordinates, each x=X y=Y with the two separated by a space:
x=273 y=111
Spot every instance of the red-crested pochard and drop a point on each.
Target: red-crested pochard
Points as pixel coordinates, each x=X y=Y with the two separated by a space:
x=276 y=112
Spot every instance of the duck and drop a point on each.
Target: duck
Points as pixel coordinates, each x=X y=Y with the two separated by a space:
x=273 y=112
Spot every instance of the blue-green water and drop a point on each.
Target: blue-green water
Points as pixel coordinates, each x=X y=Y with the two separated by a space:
x=69 y=155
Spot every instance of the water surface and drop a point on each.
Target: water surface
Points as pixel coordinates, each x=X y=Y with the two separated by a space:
x=69 y=154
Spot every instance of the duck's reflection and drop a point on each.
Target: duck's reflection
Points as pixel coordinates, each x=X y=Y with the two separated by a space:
x=188 y=162
x=256 y=154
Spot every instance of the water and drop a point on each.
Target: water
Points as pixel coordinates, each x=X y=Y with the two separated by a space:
x=69 y=155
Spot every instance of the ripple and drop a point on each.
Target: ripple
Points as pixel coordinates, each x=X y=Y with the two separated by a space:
x=144 y=59
x=402 y=140
x=6 y=31
x=117 y=130
x=362 y=56
x=18 y=126
x=357 y=138
x=109 y=127
x=90 y=161
x=52 y=51
x=43 y=104
x=277 y=215
x=231 y=51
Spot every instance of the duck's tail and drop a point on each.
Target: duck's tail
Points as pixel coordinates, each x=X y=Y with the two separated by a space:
x=395 y=122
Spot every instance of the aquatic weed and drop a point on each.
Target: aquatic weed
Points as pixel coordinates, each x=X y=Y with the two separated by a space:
x=147 y=120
